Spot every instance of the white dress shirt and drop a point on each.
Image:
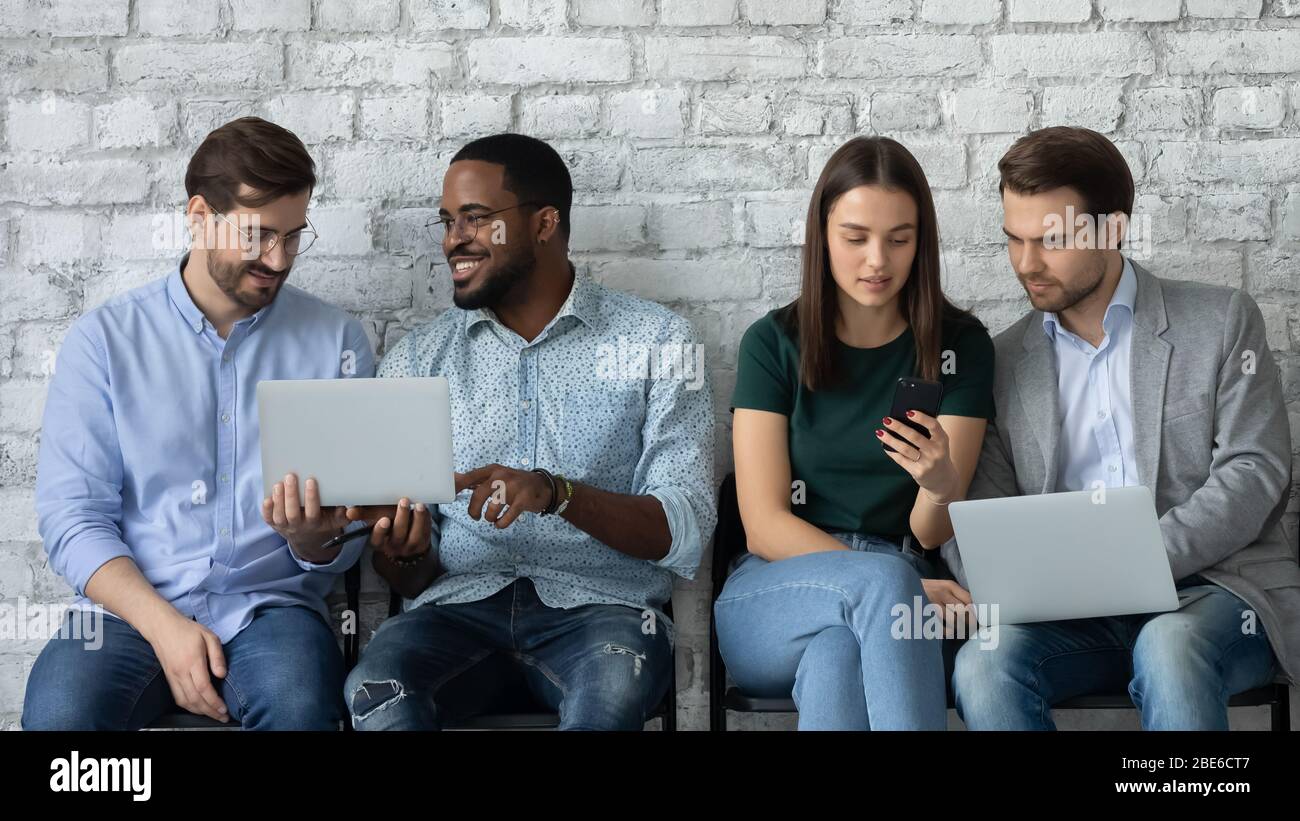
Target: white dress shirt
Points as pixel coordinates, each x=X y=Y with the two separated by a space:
x=1096 y=444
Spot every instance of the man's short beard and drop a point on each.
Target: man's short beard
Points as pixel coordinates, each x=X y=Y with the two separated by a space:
x=514 y=270
x=227 y=278
x=1071 y=297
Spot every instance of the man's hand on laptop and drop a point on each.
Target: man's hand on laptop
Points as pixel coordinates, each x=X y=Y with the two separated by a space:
x=955 y=603
x=301 y=520
x=402 y=531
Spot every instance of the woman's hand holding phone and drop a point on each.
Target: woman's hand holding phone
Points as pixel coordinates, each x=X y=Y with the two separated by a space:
x=926 y=460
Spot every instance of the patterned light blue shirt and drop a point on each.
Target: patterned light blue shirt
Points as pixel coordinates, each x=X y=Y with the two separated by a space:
x=1096 y=447
x=578 y=400
x=150 y=448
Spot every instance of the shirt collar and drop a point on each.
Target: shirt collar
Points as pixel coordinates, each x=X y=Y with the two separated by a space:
x=582 y=303
x=194 y=318
x=1125 y=296
x=180 y=297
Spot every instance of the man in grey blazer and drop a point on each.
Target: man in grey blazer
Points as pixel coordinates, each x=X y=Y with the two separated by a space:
x=1119 y=377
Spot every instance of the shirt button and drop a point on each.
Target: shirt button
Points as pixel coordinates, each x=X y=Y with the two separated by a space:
x=524 y=461
x=225 y=357
x=1111 y=468
x=225 y=477
x=198 y=326
x=225 y=417
x=524 y=404
x=1101 y=414
x=225 y=532
x=517 y=558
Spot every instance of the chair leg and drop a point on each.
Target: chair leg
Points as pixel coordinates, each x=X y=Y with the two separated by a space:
x=1281 y=710
x=670 y=701
x=352 y=641
x=717 y=683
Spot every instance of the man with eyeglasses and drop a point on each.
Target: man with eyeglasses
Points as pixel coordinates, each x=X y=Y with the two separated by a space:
x=586 y=474
x=149 y=485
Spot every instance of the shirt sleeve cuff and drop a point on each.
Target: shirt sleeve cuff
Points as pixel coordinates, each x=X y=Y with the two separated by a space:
x=86 y=556
x=347 y=556
x=684 y=553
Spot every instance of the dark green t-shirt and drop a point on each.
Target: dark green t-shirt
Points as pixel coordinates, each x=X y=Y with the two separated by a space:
x=849 y=481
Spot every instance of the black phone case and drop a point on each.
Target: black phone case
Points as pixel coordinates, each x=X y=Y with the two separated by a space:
x=914 y=393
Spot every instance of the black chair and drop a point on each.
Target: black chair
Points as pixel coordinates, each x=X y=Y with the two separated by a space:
x=537 y=717
x=729 y=541
x=183 y=720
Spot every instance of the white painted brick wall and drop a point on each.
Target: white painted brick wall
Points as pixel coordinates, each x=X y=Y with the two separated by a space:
x=694 y=130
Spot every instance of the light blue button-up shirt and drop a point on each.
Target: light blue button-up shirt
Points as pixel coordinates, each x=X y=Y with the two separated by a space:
x=579 y=400
x=1096 y=445
x=149 y=448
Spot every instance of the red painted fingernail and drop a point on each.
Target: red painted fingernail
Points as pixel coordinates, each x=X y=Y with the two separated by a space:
x=910 y=414
x=885 y=420
x=880 y=433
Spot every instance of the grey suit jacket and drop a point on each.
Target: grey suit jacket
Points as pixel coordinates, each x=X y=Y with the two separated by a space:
x=1212 y=440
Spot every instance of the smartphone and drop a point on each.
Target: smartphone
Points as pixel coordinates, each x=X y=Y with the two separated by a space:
x=914 y=393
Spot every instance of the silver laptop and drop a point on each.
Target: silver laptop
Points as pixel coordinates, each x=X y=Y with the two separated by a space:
x=1069 y=555
x=367 y=441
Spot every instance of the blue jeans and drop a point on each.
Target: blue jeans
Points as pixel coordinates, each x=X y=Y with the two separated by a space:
x=817 y=628
x=283 y=673
x=1179 y=667
x=600 y=666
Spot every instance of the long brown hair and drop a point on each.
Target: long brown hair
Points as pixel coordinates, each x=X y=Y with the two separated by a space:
x=882 y=162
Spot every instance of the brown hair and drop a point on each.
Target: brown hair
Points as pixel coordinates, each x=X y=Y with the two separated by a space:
x=267 y=158
x=1078 y=158
x=883 y=162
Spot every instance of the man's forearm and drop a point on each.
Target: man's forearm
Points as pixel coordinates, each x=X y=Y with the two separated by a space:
x=120 y=587
x=1222 y=516
x=635 y=525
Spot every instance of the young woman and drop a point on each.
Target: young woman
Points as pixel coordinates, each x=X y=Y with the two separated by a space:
x=839 y=527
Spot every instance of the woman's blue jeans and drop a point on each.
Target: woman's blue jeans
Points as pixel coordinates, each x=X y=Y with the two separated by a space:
x=817 y=627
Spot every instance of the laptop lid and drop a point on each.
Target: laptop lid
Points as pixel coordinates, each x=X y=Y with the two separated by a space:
x=1071 y=555
x=366 y=441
